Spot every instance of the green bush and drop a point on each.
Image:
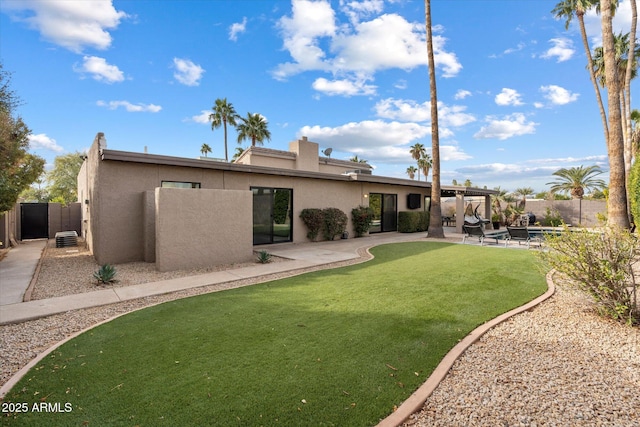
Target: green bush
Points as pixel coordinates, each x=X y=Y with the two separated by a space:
x=264 y=257
x=552 y=218
x=362 y=217
x=411 y=222
x=335 y=222
x=634 y=191
x=600 y=263
x=314 y=220
x=106 y=274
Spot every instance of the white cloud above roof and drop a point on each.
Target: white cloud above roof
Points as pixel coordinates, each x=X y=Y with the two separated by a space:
x=562 y=49
x=558 y=95
x=512 y=125
x=187 y=72
x=42 y=141
x=508 y=97
x=100 y=70
x=129 y=107
x=74 y=25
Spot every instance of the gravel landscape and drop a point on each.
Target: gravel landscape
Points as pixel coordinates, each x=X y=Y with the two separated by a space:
x=555 y=365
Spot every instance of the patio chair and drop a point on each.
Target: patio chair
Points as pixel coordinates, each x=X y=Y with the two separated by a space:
x=478 y=231
x=519 y=234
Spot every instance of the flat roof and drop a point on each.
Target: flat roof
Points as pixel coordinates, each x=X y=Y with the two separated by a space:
x=156 y=159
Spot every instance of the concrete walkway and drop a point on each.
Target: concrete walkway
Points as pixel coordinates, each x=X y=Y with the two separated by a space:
x=17 y=273
x=17 y=268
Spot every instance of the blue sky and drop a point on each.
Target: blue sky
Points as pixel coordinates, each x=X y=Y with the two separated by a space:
x=515 y=99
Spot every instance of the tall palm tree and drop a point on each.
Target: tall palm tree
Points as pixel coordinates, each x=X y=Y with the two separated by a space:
x=575 y=180
x=254 y=128
x=435 y=214
x=223 y=114
x=567 y=9
x=424 y=164
x=205 y=149
x=411 y=171
x=417 y=151
x=617 y=208
x=635 y=133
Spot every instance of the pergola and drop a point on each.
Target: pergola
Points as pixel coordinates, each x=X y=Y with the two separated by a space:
x=460 y=193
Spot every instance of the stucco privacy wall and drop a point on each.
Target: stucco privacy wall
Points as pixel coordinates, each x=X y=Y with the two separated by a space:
x=196 y=228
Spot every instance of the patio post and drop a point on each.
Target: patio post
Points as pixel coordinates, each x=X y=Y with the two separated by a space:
x=459 y=211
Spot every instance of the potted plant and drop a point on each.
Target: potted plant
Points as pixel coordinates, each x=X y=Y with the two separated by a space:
x=495 y=220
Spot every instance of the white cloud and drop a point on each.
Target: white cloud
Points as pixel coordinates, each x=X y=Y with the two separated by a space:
x=355 y=51
x=42 y=141
x=562 y=49
x=518 y=48
x=558 y=95
x=132 y=108
x=512 y=125
x=508 y=97
x=202 y=118
x=100 y=70
x=73 y=25
x=343 y=87
x=237 y=28
x=411 y=111
x=462 y=94
x=187 y=72
x=452 y=153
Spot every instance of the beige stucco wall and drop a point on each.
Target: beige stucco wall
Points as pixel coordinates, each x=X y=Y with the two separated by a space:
x=199 y=228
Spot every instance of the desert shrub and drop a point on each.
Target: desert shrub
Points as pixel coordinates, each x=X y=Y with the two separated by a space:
x=264 y=257
x=314 y=220
x=105 y=274
x=335 y=222
x=601 y=264
x=552 y=218
x=411 y=222
x=362 y=217
x=634 y=192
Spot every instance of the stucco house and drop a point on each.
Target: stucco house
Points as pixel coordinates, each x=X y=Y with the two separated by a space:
x=186 y=213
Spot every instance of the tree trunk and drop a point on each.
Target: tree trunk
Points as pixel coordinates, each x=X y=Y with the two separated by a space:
x=592 y=75
x=435 y=215
x=628 y=142
x=226 y=154
x=617 y=206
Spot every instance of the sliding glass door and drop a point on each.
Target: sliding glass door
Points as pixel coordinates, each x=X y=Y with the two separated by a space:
x=272 y=215
x=385 y=212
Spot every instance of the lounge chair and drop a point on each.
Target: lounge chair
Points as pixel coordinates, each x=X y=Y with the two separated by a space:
x=478 y=231
x=520 y=234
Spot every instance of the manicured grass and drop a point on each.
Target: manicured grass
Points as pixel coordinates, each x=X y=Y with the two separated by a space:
x=336 y=347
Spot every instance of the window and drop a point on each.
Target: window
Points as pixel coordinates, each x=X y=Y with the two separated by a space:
x=272 y=215
x=178 y=184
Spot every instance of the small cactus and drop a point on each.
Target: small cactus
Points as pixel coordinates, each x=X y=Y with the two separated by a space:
x=106 y=274
x=264 y=257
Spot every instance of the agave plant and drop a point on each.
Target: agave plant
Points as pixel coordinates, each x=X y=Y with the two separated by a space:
x=264 y=257
x=105 y=274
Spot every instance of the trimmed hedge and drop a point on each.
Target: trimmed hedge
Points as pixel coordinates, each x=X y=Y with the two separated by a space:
x=411 y=222
x=313 y=219
x=634 y=191
x=335 y=222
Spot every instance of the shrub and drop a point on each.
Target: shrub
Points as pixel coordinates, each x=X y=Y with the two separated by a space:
x=362 y=217
x=634 y=191
x=600 y=263
x=552 y=218
x=314 y=220
x=335 y=222
x=264 y=257
x=411 y=222
x=105 y=274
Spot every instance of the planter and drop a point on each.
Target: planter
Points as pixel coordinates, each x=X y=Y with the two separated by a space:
x=496 y=225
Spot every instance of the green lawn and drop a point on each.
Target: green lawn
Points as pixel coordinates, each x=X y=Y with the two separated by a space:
x=335 y=347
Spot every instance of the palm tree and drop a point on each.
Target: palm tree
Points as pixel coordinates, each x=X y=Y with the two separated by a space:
x=223 y=113
x=205 y=149
x=253 y=127
x=435 y=214
x=238 y=153
x=417 y=151
x=567 y=9
x=635 y=133
x=523 y=192
x=617 y=208
x=497 y=200
x=411 y=171
x=575 y=180
x=424 y=164
x=355 y=159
